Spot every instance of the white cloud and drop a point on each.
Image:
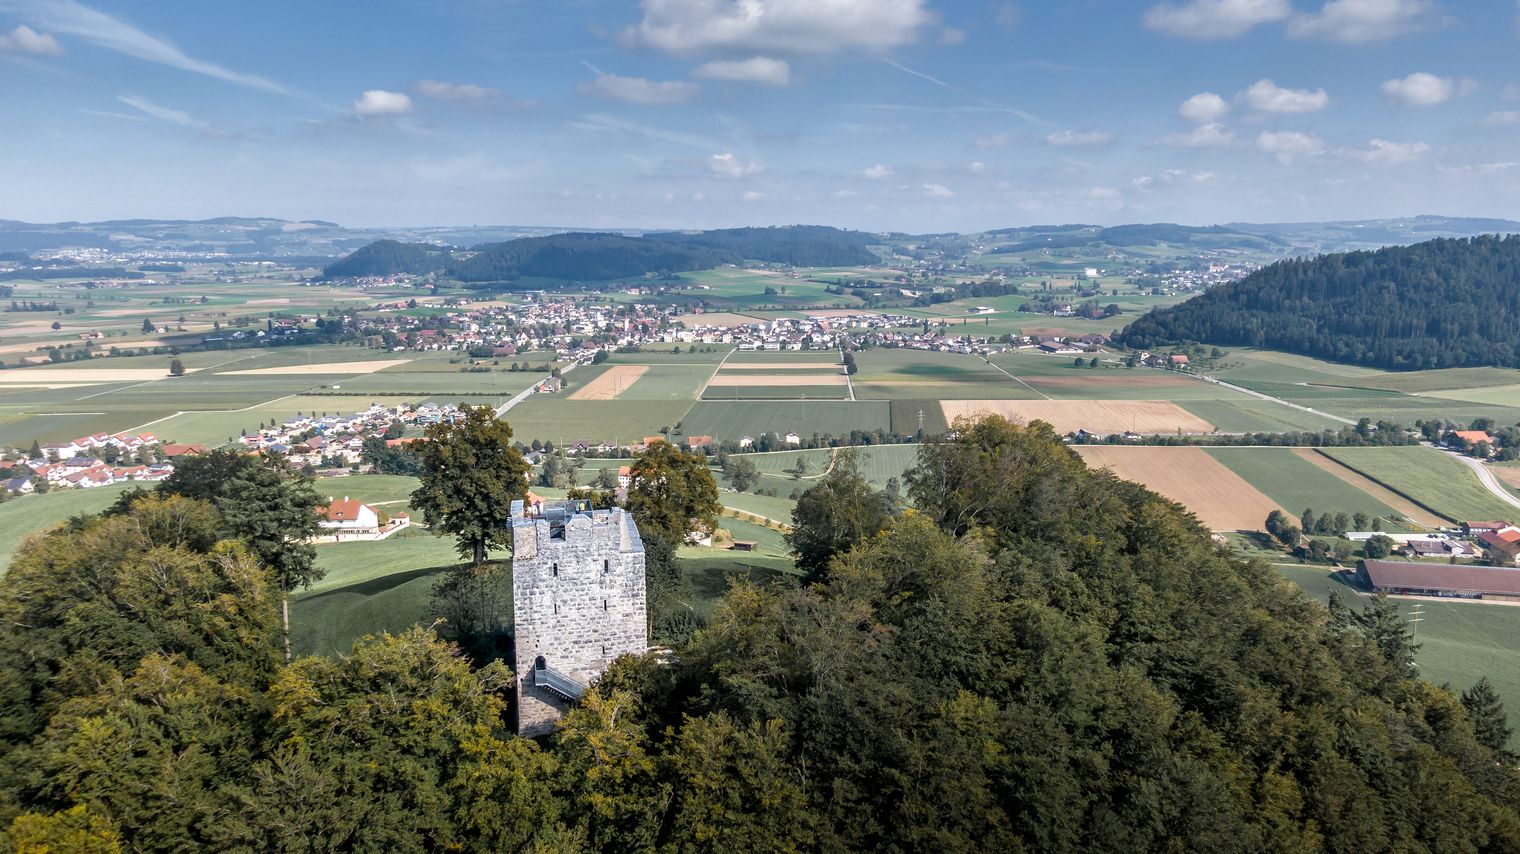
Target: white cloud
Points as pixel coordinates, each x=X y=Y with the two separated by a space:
x=74 y=19
x=938 y=191
x=1426 y=90
x=1360 y=21
x=471 y=94
x=879 y=171
x=1493 y=168
x=378 y=102
x=756 y=69
x=1079 y=138
x=752 y=196
x=1502 y=118
x=1384 y=153
x=1211 y=135
x=726 y=165
x=1102 y=193
x=976 y=167
x=951 y=36
x=995 y=140
x=174 y=117
x=1214 y=19
x=1268 y=97
x=25 y=40
x=639 y=90
x=1203 y=108
x=791 y=26
x=1289 y=144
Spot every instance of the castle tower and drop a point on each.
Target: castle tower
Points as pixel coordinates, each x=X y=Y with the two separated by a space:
x=577 y=603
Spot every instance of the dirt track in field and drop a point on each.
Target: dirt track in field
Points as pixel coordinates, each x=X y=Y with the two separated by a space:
x=1220 y=498
x=1095 y=416
x=611 y=384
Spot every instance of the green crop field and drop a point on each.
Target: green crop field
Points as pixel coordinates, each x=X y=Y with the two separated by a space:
x=556 y=419
x=1253 y=415
x=733 y=419
x=716 y=390
x=894 y=373
x=1272 y=366
x=1430 y=477
x=1459 y=641
x=1297 y=484
x=1438 y=380
x=668 y=382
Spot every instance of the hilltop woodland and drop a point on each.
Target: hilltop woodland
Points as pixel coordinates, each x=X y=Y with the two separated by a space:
x=1440 y=304
x=1041 y=658
x=597 y=257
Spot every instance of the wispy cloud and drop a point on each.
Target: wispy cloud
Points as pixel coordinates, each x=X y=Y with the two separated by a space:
x=165 y=114
x=685 y=27
x=468 y=94
x=1214 y=19
x=1079 y=138
x=604 y=122
x=1361 y=21
x=919 y=74
x=97 y=28
x=637 y=90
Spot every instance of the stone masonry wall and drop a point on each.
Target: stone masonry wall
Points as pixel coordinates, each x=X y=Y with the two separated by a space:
x=578 y=601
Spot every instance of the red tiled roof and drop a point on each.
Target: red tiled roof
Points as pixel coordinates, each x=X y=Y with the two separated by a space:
x=344 y=511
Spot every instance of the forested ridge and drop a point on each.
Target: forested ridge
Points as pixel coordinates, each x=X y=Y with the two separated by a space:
x=593 y=256
x=1439 y=304
x=1042 y=658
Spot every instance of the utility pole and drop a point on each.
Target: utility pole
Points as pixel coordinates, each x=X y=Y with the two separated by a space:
x=1416 y=614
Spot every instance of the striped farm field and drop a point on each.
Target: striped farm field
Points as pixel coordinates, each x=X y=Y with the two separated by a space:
x=1298 y=484
x=725 y=378
x=1095 y=416
x=1220 y=498
x=1427 y=476
x=611 y=384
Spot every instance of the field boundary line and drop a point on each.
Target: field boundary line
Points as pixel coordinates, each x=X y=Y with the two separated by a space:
x=849 y=383
x=702 y=392
x=1384 y=484
x=1019 y=381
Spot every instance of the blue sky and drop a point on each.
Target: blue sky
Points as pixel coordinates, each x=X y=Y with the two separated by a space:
x=915 y=115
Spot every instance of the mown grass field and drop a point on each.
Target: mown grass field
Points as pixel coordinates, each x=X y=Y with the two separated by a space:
x=554 y=418
x=1429 y=477
x=1459 y=641
x=31 y=514
x=1296 y=484
x=904 y=373
x=733 y=419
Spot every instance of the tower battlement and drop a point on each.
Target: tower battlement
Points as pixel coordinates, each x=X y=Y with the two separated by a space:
x=577 y=602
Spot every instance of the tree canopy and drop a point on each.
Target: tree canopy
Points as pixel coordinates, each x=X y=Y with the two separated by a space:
x=471 y=474
x=1440 y=304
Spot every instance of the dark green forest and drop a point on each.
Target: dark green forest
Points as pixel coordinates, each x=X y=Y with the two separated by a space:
x=1042 y=658
x=388 y=258
x=588 y=256
x=1440 y=304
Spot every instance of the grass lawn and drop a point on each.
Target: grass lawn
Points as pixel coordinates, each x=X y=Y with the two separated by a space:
x=1429 y=477
x=1459 y=642
x=1297 y=484
x=384 y=489
x=30 y=514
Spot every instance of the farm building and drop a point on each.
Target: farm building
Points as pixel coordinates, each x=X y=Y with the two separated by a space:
x=1450 y=581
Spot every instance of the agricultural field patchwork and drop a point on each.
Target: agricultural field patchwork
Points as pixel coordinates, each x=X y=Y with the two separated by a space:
x=733 y=419
x=1221 y=499
x=1429 y=477
x=1297 y=484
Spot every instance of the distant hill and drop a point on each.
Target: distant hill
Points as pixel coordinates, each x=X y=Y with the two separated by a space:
x=389 y=257
x=1440 y=304
x=593 y=256
x=1145 y=234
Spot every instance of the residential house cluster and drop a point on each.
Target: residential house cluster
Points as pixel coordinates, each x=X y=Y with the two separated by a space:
x=99 y=459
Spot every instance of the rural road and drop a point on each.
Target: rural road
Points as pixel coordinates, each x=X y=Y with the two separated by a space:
x=525 y=393
x=1278 y=400
x=1489 y=481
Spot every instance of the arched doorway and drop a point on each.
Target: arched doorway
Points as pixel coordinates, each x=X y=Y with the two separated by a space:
x=539 y=664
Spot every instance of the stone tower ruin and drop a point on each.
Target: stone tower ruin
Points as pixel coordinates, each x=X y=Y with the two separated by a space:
x=577 y=603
